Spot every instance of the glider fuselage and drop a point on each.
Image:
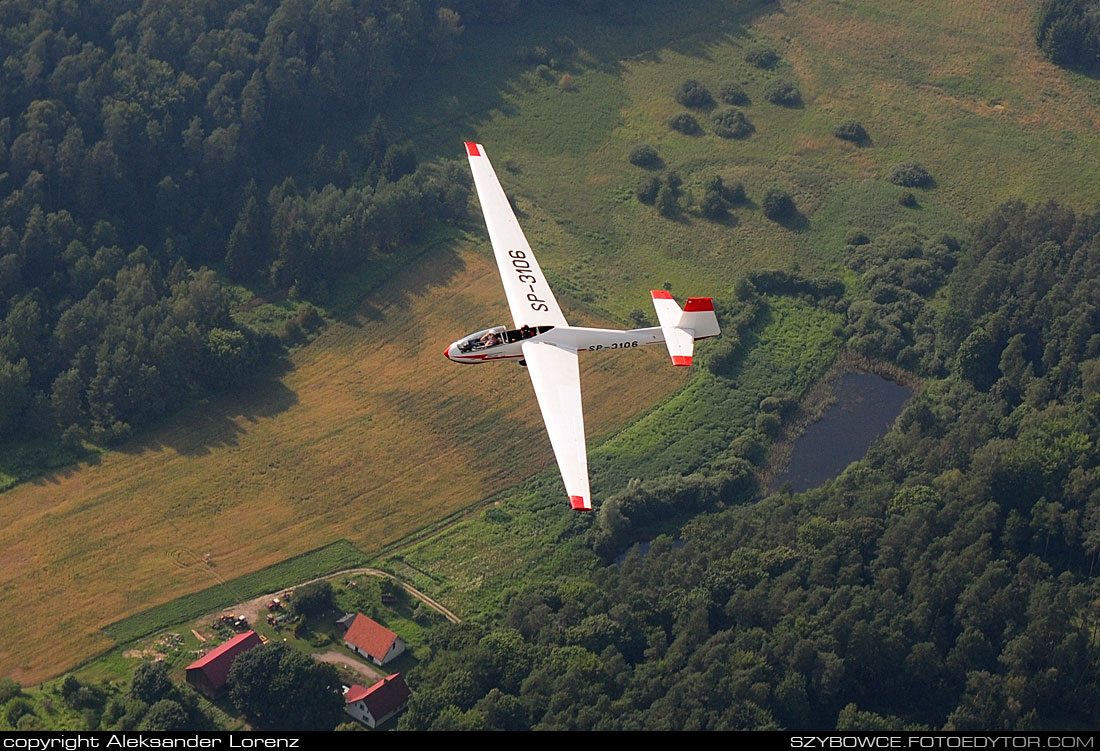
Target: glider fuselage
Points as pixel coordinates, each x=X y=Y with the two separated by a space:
x=499 y=343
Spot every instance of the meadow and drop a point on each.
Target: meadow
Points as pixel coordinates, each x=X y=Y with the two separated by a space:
x=370 y=436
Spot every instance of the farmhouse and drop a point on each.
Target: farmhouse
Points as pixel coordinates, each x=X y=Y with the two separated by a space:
x=373 y=640
x=373 y=706
x=209 y=673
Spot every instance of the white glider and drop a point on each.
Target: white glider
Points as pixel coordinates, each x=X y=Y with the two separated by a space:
x=548 y=345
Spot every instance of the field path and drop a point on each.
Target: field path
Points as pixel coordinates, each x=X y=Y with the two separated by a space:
x=370 y=436
x=253 y=609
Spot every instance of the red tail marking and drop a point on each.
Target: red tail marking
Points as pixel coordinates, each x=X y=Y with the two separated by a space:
x=473 y=149
x=698 y=304
x=661 y=294
x=681 y=359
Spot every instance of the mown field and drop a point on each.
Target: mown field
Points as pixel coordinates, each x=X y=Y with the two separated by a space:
x=371 y=435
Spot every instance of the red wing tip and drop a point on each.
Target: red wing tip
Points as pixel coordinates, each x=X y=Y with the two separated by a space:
x=698 y=304
x=579 y=503
x=681 y=359
x=473 y=149
x=661 y=294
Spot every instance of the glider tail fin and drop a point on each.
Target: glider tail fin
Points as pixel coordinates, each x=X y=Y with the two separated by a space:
x=682 y=326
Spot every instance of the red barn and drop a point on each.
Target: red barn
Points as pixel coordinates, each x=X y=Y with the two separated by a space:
x=373 y=640
x=209 y=673
x=373 y=706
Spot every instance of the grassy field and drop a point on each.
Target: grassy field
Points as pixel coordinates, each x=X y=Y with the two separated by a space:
x=521 y=538
x=371 y=435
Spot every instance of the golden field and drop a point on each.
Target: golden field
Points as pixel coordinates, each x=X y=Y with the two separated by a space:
x=370 y=436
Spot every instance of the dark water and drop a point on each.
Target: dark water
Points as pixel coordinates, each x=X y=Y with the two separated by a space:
x=866 y=405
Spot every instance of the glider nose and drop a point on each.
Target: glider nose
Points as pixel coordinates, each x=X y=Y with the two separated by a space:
x=447 y=351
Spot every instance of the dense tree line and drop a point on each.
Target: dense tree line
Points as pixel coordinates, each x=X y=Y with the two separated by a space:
x=1068 y=33
x=141 y=141
x=947 y=581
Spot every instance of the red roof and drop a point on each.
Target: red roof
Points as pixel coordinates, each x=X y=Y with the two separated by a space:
x=370 y=636
x=215 y=664
x=383 y=698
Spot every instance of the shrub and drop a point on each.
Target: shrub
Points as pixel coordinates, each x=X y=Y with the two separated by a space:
x=668 y=203
x=778 y=204
x=644 y=155
x=908 y=200
x=734 y=193
x=856 y=237
x=782 y=92
x=762 y=57
x=909 y=175
x=732 y=92
x=713 y=206
x=9 y=689
x=718 y=197
x=566 y=82
x=691 y=93
x=732 y=123
x=647 y=190
x=685 y=123
x=851 y=130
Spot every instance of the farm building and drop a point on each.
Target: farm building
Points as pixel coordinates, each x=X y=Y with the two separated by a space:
x=209 y=673
x=373 y=640
x=373 y=706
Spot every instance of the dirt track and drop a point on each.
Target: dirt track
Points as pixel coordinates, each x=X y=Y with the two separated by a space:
x=254 y=609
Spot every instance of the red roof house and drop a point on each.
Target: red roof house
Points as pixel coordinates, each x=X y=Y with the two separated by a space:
x=373 y=706
x=209 y=673
x=373 y=640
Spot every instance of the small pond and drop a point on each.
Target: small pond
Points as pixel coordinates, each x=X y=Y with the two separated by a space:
x=866 y=405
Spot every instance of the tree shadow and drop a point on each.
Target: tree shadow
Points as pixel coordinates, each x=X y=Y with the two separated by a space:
x=795 y=221
x=216 y=421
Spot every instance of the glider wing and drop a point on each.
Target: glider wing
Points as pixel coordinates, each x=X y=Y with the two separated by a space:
x=556 y=374
x=529 y=295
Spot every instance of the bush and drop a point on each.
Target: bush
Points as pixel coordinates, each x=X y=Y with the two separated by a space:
x=718 y=197
x=851 y=130
x=566 y=82
x=647 y=190
x=908 y=200
x=644 y=155
x=762 y=57
x=732 y=92
x=685 y=123
x=782 y=92
x=691 y=93
x=732 y=123
x=9 y=689
x=313 y=598
x=856 y=237
x=778 y=204
x=909 y=175
x=734 y=193
x=668 y=202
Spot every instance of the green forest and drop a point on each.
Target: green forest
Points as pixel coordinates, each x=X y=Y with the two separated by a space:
x=158 y=157
x=949 y=582
x=144 y=143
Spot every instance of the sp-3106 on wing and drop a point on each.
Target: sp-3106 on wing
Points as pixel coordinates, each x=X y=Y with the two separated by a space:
x=547 y=345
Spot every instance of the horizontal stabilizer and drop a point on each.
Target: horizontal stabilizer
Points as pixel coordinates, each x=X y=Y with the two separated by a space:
x=682 y=326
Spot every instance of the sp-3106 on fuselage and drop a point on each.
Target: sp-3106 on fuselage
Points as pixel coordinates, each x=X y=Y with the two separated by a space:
x=543 y=340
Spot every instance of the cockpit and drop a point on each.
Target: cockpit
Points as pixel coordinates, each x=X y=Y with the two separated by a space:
x=497 y=335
